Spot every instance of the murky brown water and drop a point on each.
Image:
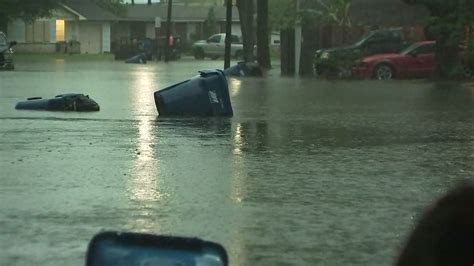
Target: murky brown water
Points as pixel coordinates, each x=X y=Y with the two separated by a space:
x=306 y=172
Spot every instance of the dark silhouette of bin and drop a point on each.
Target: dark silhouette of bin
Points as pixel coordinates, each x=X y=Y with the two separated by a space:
x=204 y=95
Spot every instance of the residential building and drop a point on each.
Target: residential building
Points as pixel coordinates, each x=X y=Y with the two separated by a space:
x=83 y=26
x=82 y=22
x=149 y=21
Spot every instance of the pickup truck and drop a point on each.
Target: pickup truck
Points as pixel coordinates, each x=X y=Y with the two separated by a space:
x=214 y=47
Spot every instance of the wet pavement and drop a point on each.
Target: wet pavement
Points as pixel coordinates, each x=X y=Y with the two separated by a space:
x=306 y=172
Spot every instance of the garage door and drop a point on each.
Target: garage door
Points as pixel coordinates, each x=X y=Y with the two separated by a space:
x=90 y=38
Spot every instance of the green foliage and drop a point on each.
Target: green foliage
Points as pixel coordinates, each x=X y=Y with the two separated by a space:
x=210 y=25
x=336 y=12
x=114 y=6
x=447 y=24
x=282 y=14
x=30 y=10
x=27 y=10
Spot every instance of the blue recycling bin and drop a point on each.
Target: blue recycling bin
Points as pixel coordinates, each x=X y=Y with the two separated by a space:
x=204 y=95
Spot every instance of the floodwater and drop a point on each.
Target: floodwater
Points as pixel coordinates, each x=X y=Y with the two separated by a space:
x=306 y=172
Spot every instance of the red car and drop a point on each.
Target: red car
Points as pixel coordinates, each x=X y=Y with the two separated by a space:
x=417 y=60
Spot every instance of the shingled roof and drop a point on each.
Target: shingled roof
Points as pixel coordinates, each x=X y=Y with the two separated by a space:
x=90 y=10
x=180 y=13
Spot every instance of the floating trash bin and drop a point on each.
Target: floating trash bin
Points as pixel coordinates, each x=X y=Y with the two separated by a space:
x=204 y=95
x=243 y=69
x=138 y=59
x=64 y=102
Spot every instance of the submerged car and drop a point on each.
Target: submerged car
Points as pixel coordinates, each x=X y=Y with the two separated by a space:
x=63 y=102
x=415 y=61
x=6 y=51
x=335 y=60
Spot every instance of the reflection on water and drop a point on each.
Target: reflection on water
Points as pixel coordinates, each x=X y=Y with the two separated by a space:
x=306 y=172
x=239 y=171
x=234 y=86
x=143 y=179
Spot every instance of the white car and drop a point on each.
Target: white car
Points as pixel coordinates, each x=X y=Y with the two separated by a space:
x=214 y=47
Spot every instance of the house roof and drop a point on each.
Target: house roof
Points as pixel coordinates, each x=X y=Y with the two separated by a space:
x=180 y=13
x=386 y=13
x=90 y=10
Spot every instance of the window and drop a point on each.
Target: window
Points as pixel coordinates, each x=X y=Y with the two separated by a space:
x=425 y=49
x=235 y=39
x=60 y=30
x=214 y=39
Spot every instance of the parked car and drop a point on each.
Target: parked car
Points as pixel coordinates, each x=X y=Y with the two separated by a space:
x=334 y=60
x=6 y=51
x=417 y=60
x=214 y=47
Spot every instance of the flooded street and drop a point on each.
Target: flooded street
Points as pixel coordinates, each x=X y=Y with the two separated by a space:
x=306 y=172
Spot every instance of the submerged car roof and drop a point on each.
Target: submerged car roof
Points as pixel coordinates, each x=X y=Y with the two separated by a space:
x=68 y=94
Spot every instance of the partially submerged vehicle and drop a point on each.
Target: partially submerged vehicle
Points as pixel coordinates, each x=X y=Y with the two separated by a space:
x=63 y=102
x=138 y=59
x=244 y=69
x=6 y=51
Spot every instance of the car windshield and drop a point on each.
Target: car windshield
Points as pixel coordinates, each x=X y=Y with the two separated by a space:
x=310 y=152
x=364 y=38
x=409 y=49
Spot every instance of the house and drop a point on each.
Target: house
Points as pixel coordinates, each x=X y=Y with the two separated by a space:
x=141 y=20
x=80 y=21
x=83 y=26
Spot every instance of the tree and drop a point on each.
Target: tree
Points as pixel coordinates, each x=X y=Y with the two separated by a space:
x=311 y=13
x=246 y=12
x=336 y=11
x=447 y=23
x=283 y=17
x=114 y=6
x=28 y=10
x=263 y=48
x=210 y=24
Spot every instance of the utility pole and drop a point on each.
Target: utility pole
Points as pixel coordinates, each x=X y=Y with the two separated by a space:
x=228 y=34
x=168 y=31
x=297 y=41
